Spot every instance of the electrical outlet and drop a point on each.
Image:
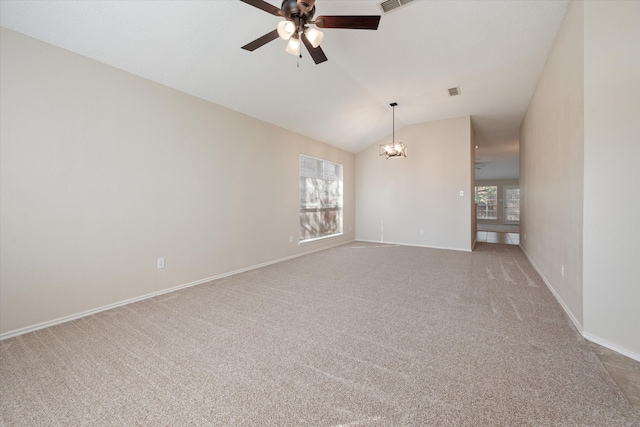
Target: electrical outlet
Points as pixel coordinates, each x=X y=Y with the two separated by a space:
x=461 y=193
x=422 y=231
x=290 y=239
x=562 y=270
x=160 y=263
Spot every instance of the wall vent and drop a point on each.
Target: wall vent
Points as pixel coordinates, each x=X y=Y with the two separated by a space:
x=389 y=5
x=454 y=91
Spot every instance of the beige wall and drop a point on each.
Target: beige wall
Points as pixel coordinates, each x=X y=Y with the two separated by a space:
x=103 y=172
x=578 y=172
x=397 y=198
x=551 y=167
x=611 y=154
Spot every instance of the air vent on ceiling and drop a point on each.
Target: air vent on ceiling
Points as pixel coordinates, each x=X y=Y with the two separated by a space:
x=389 y=5
x=454 y=91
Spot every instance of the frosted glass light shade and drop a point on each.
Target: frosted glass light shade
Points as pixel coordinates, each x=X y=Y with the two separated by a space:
x=395 y=149
x=286 y=29
x=315 y=37
x=293 y=47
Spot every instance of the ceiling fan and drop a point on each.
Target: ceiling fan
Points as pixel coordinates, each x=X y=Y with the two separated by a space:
x=298 y=14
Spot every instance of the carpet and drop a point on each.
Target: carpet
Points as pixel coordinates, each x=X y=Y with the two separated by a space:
x=357 y=335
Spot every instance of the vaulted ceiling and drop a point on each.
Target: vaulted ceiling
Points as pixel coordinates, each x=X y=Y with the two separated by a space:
x=494 y=51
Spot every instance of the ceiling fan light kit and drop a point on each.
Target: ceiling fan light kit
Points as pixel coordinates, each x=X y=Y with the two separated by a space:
x=293 y=47
x=314 y=36
x=298 y=14
x=286 y=29
x=395 y=149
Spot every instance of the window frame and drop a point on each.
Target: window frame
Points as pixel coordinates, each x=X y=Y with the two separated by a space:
x=319 y=206
x=495 y=204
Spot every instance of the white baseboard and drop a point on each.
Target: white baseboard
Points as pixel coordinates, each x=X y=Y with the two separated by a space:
x=573 y=319
x=577 y=324
x=414 y=245
x=610 y=346
x=64 y=319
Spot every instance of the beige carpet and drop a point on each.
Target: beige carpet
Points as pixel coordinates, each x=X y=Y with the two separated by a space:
x=359 y=335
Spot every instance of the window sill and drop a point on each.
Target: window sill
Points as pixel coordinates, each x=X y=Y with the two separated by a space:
x=315 y=239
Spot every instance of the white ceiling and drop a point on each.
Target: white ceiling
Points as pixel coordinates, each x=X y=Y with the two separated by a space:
x=493 y=50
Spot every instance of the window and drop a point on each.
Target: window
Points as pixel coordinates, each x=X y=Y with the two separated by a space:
x=487 y=200
x=320 y=198
x=511 y=204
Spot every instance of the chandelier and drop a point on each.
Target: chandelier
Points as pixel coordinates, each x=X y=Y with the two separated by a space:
x=395 y=149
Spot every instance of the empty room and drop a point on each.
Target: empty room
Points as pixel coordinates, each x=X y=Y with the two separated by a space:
x=319 y=213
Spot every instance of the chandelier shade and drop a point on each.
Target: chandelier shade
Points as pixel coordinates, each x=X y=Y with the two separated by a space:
x=396 y=149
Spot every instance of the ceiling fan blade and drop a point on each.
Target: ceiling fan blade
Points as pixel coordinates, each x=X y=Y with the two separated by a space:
x=261 y=4
x=261 y=41
x=355 y=22
x=316 y=52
